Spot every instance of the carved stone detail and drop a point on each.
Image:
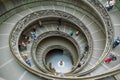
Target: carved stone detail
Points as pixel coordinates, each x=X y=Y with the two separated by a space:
x=49 y=34
x=22 y=24
x=106 y=18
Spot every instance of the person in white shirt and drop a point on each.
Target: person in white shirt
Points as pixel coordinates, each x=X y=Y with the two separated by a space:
x=109 y=5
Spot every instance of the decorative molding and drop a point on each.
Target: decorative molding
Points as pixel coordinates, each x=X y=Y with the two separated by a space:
x=41 y=37
x=23 y=23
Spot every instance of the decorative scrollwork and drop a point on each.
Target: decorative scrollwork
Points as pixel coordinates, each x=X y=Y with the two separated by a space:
x=49 y=34
x=106 y=18
x=22 y=24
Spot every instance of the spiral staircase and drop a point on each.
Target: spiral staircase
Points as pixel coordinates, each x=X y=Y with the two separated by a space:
x=90 y=23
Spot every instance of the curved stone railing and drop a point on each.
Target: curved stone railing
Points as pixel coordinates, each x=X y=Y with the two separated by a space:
x=21 y=25
x=30 y=4
x=59 y=34
x=112 y=72
x=105 y=18
x=68 y=24
x=49 y=48
x=109 y=30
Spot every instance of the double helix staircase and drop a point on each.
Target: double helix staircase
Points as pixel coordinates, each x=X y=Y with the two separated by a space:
x=93 y=66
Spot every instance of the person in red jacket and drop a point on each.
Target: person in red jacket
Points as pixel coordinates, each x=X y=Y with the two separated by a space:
x=108 y=60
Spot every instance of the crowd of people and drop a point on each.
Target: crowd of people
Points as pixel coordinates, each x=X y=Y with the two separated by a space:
x=23 y=44
x=25 y=40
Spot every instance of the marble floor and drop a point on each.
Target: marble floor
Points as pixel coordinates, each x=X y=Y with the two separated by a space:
x=60 y=62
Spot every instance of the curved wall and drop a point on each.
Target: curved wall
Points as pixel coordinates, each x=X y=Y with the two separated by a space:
x=11 y=7
x=10 y=10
